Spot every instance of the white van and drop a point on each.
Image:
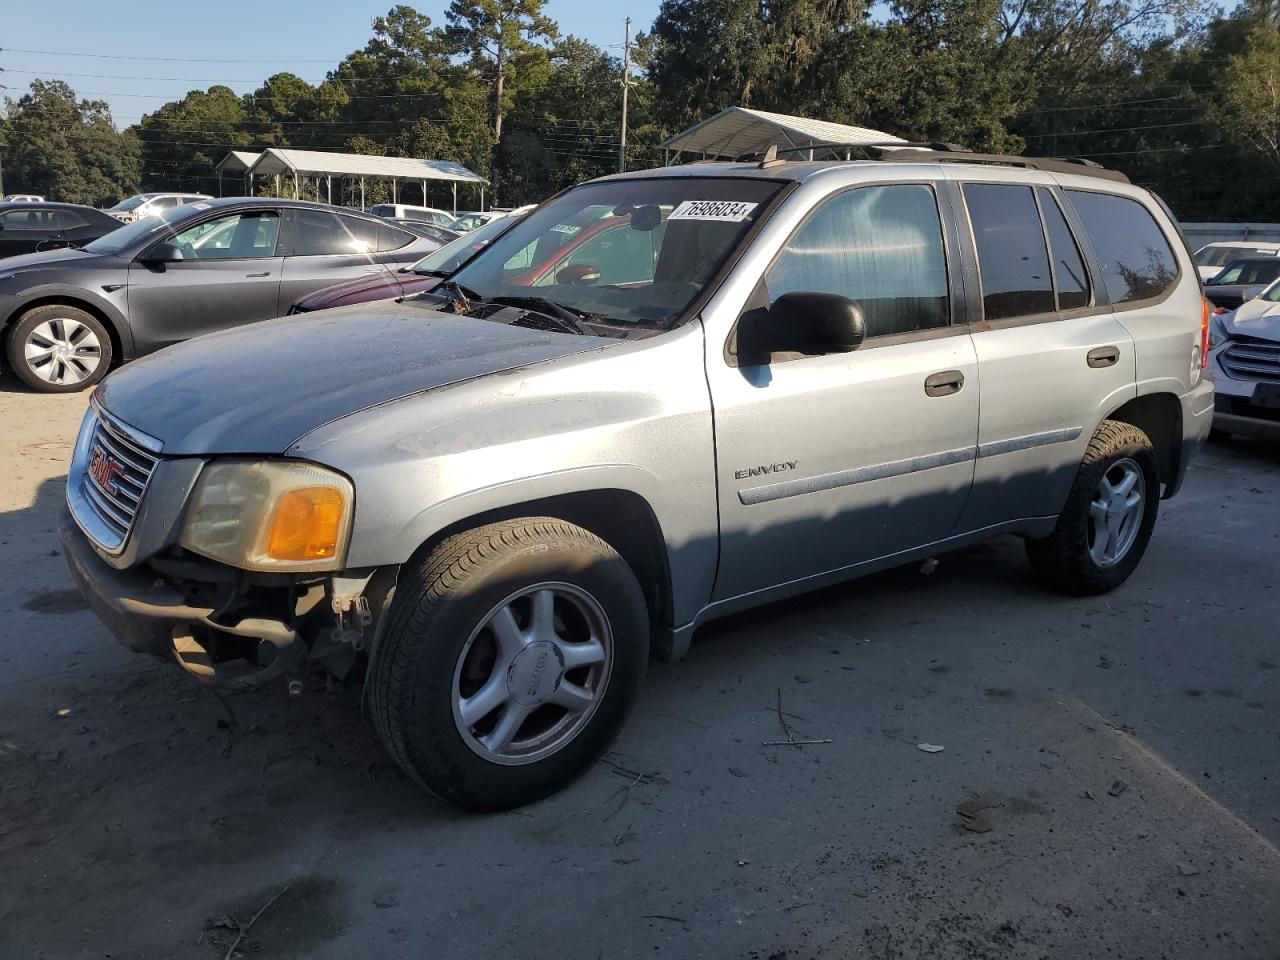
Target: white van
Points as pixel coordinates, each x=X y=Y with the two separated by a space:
x=1212 y=257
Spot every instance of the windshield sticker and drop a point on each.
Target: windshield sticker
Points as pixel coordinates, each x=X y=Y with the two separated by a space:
x=566 y=228
x=730 y=211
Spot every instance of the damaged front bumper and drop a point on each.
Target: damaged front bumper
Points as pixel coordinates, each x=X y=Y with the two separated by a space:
x=217 y=640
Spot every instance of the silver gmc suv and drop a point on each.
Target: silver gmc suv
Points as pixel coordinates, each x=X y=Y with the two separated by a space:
x=661 y=397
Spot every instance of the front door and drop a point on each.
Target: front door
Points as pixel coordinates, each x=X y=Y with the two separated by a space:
x=229 y=274
x=827 y=461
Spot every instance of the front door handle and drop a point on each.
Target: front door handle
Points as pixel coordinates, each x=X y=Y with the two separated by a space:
x=1103 y=356
x=943 y=384
x=264 y=273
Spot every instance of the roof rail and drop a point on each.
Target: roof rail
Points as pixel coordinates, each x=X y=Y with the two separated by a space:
x=910 y=151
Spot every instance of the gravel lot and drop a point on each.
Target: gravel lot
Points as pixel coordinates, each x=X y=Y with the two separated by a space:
x=1120 y=757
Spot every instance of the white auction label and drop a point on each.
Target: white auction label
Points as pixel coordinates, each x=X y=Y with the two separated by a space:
x=732 y=211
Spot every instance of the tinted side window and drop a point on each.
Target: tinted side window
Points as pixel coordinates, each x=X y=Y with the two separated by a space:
x=321 y=233
x=1069 y=275
x=1012 y=261
x=389 y=238
x=881 y=246
x=66 y=220
x=1137 y=262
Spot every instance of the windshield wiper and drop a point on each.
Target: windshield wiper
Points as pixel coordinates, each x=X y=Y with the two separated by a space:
x=570 y=316
x=461 y=297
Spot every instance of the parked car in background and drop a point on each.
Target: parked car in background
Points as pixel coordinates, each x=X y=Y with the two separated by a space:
x=404 y=211
x=21 y=198
x=441 y=235
x=420 y=277
x=466 y=222
x=1244 y=364
x=1212 y=257
x=68 y=315
x=31 y=226
x=143 y=205
x=765 y=378
x=1241 y=280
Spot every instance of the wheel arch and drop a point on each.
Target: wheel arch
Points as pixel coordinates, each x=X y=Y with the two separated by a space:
x=1159 y=416
x=622 y=518
x=121 y=343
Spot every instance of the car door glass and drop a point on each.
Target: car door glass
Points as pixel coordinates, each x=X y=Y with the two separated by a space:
x=881 y=246
x=1137 y=261
x=318 y=233
x=239 y=236
x=66 y=220
x=1013 y=263
x=1069 y=275
x=389 y=238
x=619 y=253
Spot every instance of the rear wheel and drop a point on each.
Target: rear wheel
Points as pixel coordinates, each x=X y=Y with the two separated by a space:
x=1104 y=529
x=59 y=349
x=513 y=655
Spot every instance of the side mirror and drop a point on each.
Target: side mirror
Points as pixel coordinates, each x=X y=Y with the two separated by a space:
x=163 y=253
x=811 y=323
x=581 y=273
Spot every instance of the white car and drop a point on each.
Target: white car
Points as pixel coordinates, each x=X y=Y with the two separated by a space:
x=21 y=198
x=1212 y=257
x=143 y=205
x=403 y=211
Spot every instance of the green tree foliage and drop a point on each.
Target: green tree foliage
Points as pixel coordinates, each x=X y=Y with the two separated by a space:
x=67 y=149
x=184 y=139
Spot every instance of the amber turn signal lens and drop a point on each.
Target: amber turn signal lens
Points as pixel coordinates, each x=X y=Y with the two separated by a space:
x=306 y=525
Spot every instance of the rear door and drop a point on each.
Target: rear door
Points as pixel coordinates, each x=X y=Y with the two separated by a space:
x=324 y=248
x=1052 y=357
x=825 y=462
x=26 y=231
x=229 y=275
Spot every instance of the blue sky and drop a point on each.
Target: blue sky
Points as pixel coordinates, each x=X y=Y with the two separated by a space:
x=276 y=35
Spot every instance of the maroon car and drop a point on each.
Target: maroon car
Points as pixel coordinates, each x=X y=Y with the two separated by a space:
x=578 y=248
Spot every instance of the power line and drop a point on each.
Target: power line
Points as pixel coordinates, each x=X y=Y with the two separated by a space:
x=121 y=56
x=1082 y=133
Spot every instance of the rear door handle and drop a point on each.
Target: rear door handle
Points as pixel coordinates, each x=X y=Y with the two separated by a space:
x=1103 y=356
x=943 y=384
x=264 y=273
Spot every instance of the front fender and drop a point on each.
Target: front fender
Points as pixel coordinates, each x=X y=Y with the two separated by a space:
x=13 y=306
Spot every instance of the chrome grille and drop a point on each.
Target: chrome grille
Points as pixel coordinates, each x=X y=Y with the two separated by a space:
x=1253 y=360
x=109 y=474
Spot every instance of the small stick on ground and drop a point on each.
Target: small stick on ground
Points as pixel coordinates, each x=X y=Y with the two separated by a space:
x=231 y=721
x=792 y=743
x=245 y=929
x=787 y=730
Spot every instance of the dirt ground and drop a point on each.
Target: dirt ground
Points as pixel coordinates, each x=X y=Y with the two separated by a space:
x=1119 y=757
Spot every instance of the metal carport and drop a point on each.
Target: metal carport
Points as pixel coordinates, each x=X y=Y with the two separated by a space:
x=237 y=161
x=278 y=162
x=738 y=130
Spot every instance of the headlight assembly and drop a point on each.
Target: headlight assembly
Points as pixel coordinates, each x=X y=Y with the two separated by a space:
x=270 y=515
x=1217 y=335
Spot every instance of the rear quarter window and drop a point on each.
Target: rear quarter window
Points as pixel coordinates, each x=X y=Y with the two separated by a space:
x=1137 y=260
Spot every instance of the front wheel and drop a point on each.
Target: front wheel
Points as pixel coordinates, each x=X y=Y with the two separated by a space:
x=1104 y=529
x=59 y=349
x=512 y=657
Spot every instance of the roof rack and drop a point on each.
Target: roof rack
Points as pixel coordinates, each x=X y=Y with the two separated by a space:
x=908 y=151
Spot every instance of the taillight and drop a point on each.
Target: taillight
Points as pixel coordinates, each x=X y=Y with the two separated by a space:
x=1204 y=332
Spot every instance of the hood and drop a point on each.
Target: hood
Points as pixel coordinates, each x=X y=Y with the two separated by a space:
x=380 y=286
x=260 y=387
x=1255 y=318
x=46 y=258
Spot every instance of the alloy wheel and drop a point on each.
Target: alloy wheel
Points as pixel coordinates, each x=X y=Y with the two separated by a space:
x=1115 y=512
x=62 y=351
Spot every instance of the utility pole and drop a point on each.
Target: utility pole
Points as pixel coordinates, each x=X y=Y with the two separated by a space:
x=626 y=83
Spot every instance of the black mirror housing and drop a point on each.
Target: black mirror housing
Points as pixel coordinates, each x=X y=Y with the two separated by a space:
x=809 y=323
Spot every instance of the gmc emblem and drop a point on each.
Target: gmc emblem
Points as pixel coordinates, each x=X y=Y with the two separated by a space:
x=104 y=469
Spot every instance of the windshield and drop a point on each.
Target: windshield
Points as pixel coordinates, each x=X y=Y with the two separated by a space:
x=1247 y=272
x=1217 y=256
x=137 y=200
x=454 y=254
x=633 y=252
x=1271 y=294
x=127 y=236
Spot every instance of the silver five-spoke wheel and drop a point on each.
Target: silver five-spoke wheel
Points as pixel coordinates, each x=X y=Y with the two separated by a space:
x=1115 y=512
x=532 y=673
x=62 y=351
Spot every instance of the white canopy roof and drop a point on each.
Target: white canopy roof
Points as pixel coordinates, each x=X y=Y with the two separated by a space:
x=737 y=131
x=237 y=161
x=313 y=162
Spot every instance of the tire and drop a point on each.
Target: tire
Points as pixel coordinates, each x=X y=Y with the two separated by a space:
x=444 y=652
x=1070 y=560
x=59 y=349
